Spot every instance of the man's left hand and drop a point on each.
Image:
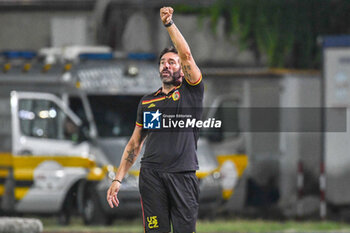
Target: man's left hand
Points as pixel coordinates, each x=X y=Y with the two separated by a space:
x=166 y=14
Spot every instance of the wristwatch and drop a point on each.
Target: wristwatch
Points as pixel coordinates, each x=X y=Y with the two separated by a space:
x=169 y=24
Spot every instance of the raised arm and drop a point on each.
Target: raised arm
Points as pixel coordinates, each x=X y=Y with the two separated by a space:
x=189 y=66
x=131 y=151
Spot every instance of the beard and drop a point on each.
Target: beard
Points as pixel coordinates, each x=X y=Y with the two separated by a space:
x=175 y=77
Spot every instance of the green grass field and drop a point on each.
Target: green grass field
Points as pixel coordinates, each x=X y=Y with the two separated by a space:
x=223 y=225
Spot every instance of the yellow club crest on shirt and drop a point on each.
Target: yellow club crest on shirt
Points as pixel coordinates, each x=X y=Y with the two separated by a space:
x=176 y=95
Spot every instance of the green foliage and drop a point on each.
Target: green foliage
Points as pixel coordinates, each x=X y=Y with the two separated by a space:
x=286 y=31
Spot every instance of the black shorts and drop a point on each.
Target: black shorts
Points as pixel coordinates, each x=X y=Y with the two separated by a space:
x=169 y=197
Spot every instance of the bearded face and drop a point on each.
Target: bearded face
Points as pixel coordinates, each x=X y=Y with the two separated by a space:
x=170 y=77
x=170 y=69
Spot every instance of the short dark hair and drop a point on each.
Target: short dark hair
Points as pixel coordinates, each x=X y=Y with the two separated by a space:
x=167 y=50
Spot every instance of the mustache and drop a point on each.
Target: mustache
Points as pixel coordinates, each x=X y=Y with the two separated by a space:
x=176 y=75
x=166 y=70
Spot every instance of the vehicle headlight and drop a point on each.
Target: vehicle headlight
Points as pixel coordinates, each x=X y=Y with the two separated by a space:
x=111 y=175
x=210 y=180
x=110 y=172
x=91 y=156
x=229 y=178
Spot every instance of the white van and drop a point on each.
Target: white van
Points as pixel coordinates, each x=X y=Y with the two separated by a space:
x=63 y=133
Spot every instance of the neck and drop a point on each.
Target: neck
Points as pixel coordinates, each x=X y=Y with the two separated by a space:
x=166 y=88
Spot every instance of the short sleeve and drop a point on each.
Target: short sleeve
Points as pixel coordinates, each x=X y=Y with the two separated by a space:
x=194 y=83
x=196 y=88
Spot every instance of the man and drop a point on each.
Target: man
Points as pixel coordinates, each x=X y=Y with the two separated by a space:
x=168 y=183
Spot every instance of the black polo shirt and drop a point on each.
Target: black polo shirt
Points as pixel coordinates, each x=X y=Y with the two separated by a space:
x=172 y=150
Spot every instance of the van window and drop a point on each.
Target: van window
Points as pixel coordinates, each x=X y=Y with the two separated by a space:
x=114 y=115
x=41 y=118
x=76 y=105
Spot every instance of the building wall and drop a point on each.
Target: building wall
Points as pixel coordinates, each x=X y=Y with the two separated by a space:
x=30 y=30
x=33 y=30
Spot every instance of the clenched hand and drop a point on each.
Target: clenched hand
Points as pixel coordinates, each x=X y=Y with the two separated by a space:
x=166 y=14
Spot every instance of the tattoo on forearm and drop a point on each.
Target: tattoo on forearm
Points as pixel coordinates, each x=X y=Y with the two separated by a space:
x=186 y=69
x=131 y=156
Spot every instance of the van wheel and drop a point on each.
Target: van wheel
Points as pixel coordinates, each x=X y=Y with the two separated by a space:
x=65 y=213
x=92 y=211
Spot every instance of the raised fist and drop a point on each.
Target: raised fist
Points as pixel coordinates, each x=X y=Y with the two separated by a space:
x=166 y=14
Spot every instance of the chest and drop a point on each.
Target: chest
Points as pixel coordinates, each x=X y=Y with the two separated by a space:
x=175 y=99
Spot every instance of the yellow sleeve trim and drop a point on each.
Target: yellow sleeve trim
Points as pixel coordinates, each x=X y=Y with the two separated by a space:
x=138 y=124
x=194 y=83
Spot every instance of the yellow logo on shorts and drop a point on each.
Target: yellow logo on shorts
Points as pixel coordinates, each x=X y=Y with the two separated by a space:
x=152 y=222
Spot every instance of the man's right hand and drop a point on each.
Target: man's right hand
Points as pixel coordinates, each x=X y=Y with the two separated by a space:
x=112 y=194
x=131 y=151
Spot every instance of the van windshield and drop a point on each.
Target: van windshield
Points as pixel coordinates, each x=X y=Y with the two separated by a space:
x=115 y=116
